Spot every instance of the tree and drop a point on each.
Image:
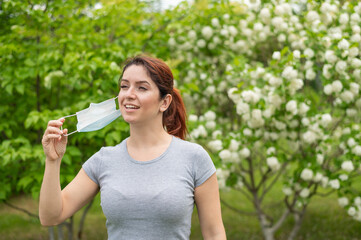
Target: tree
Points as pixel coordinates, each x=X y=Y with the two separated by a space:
x=275 y=90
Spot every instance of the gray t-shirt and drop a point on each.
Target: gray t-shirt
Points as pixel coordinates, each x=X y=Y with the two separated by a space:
x=152 y=199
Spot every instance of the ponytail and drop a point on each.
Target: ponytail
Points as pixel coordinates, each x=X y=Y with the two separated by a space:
x=174 y=118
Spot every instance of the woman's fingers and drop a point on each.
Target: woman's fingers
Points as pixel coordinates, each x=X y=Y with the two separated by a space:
x=50 y=130
x=51 y=136
x=56 y=123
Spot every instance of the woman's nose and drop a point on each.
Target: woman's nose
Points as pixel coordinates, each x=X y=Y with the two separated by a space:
x=130 y=93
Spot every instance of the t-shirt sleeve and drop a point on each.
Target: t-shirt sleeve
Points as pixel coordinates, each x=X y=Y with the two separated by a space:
x=203 y=167
x=92 y=166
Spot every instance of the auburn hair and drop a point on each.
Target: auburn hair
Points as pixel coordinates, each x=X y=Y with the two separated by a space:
x=174 y=118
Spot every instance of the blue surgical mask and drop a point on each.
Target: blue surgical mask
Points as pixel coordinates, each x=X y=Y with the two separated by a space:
x=96 y=116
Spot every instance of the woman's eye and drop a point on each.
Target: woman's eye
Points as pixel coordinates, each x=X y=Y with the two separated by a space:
x=123 y=86
x=142 y=88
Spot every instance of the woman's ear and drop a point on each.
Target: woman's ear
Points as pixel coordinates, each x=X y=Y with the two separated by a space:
x=165 y=102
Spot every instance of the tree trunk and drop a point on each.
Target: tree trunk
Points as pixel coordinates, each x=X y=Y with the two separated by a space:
x=298 y=222
x=51 y=233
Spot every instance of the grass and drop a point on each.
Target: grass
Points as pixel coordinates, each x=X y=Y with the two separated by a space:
x=324 y=220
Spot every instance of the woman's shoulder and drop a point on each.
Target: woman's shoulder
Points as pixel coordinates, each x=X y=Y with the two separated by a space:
x=106 y=150
x=187 y=146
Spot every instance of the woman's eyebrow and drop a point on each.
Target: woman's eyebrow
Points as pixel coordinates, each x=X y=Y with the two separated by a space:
x=137 y=82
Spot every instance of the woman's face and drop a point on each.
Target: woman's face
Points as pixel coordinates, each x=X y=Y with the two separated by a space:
x=139 y=97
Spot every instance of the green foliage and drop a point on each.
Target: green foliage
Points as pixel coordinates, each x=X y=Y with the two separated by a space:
x=55 y=58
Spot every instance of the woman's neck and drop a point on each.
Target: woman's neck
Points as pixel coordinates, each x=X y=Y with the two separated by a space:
x=145 y=135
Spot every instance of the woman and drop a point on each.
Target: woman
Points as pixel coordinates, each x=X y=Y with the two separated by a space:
x=151 y=180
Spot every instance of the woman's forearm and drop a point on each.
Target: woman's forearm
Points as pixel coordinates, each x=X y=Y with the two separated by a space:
x=50 y=203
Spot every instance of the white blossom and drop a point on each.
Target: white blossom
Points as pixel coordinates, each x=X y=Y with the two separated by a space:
x=330 y=56
x=350 y=112
x=245 y=152
x=289 y=73
x=356 y=29
x=343 y=177
x=247 y=132
x=192 y=34
x=211 y=125
x=287 y=191
x=275 y=100
x=225 y=155
x=271 y=150
x=291 y=106
x=242 y=108
x=258 y=27
x=354 y=88
x=304 y=108
x=207 y=32
x=275 y=81
x=356 y=63
x=215 y=145
x=312 y=16
x=326 y=119
x=347 y=166
x=335 y=184
x=328 y=89
x=306 y=174
x=355 y=18
x=193 y=118
x=343 y=44
x=305 y=192
x=201 y=43
x=265 y=15
x=309 y=137
x=310 y=74
x=250 y=96
x=343 y=201
x=337 y=86
x=355 y=38
x=210 y=116
x=309 y=53
x=341 y=66
x=210 y=90
x=273 y=163
x=296 y=54
x=357 y=150
x=357 y=201
x=305 y=121
x=347 y=96
x=216 y=133
x=351 y=211
x=215 y=22
x=172 y=42
x=318 y=177
x=222 y=176
x=276 y=55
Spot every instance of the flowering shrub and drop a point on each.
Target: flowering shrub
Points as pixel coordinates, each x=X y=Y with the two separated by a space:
x=275 y=91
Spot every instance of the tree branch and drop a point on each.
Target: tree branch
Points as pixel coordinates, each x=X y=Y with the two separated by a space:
x=81 y=224
x=280 y=221
x=238 y=210
x=274 y=180
x=22 y=210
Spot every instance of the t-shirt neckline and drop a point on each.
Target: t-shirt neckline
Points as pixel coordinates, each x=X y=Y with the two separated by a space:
x=148 y=161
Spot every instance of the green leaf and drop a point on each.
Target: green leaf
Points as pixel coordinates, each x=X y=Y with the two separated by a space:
x=24 y=182
x=29 y=62
x=9 y=89
x=20 y=88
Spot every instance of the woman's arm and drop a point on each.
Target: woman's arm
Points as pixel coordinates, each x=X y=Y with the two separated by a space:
x=55 y=205
x=209 y=209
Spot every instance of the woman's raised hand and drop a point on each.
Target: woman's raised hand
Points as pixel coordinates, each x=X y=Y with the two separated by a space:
x=54 y=142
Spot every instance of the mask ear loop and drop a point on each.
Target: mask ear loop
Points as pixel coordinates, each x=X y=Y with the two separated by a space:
x=61 y=127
